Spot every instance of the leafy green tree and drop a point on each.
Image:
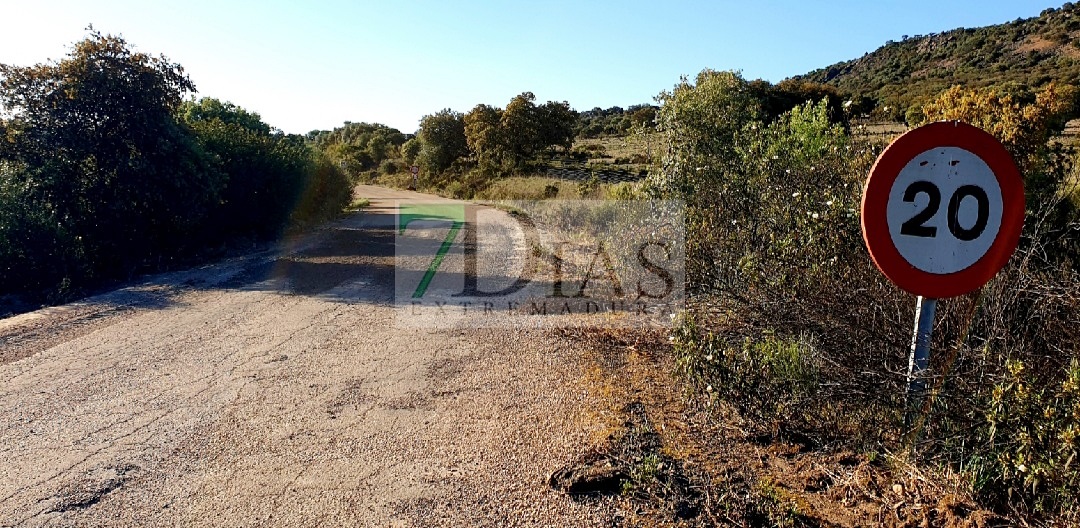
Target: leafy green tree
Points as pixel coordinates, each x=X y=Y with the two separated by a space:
x=702 y=123
x=914 y=115
x=521 y=128
x=557 y=124
x=326 y=191
x=777 y=99
x=643 y=117
x=484 y=135
x=378 y=148
x=503 y=141
x=94 y=149
x=208 y=109
x=262 y=176
x=271 y=180
x=410 y=149
x=442 y=140
x=358 y=147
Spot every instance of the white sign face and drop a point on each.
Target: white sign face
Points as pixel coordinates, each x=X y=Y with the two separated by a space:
x=944 y=210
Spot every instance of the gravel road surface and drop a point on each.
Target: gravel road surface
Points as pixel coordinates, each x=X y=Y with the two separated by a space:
x=274 y=389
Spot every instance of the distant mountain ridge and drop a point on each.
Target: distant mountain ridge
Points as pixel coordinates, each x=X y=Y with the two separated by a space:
x=1018 y=55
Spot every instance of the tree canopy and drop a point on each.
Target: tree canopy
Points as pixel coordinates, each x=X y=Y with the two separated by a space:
x=94 y=152
x=105 y=168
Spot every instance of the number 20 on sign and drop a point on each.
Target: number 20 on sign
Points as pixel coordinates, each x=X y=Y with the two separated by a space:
x=941 y=215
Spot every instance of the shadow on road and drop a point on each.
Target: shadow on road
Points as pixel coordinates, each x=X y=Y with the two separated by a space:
x=356 y=249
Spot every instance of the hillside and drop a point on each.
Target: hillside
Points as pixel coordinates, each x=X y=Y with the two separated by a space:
x=1024 y=53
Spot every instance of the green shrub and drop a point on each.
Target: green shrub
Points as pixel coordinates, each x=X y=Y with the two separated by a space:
x=1031 y=441
x=327 y=191
x=589 y=188
x=85 y=201
x=782 y=287
x=766 y=376
x=623 y=191
x=81 y=202
x=390 y=167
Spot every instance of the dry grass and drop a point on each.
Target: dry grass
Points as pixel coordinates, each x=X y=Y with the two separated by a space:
x=529 y=188
x=883 y=132
x=887 y=131
x=734 y=477
x=1071 y=132
x=630 y=153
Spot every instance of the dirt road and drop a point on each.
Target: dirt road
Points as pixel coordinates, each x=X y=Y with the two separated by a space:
x=273 y=389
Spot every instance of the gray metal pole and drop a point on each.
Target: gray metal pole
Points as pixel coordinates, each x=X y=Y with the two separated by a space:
x=920 y=351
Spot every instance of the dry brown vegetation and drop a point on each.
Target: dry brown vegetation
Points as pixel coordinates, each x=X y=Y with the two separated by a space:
x=793 y=337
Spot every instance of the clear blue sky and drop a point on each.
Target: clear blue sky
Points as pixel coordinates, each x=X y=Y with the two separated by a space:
x=315 y=64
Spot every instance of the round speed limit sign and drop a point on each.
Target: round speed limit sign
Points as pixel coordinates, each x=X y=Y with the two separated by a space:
x=943 y=209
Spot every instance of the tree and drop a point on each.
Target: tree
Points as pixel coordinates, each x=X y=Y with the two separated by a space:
x=208 y=109
x=264 y=174
x=777 y=99
x=410 y=149
x=644 y=116
x=702 y=123
x=358 y=146
x=484 y=135
x=95 y=150
x=557 y=124
x=707 y=125
x=442 y=139
x=521 y=128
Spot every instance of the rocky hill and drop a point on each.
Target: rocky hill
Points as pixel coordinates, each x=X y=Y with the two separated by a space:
x=1020 y=55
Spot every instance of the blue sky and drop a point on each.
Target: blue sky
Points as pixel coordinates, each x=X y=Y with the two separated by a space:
x=313 y=65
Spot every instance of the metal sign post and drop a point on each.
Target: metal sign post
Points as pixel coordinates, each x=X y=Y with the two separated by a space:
x=941 y=215
x=919 y=361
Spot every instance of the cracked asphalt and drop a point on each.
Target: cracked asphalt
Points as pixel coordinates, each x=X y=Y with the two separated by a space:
x=273 y=389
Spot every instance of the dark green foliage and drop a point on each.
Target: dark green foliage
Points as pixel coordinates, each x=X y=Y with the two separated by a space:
x=410 y=150
x=519 y=124
x=209 y=109
x=442 y=141
x=484 y=136
x=359 y=147
x=557 y=122
x=777 y=99
x=264 y=173
x=505 y=141
x=325 y=193
x=94 y=153
x=644 y=117
x=389 y=167
x=105 y=172
x=614 y=121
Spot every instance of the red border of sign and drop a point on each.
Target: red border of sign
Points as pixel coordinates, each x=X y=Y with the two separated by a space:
x=875 y=225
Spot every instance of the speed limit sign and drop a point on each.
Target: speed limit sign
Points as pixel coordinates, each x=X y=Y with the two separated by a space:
x=942 y=209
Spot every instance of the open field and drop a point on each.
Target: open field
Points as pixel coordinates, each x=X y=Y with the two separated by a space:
x=632 y=153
